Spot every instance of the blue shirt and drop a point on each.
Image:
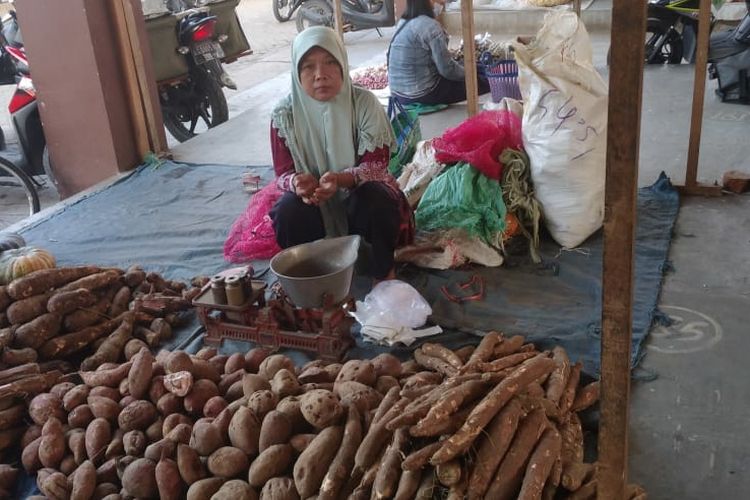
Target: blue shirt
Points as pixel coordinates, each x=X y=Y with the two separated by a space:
x=419 y=57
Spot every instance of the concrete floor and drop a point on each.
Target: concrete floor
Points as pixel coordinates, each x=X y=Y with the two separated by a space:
x=688 y=425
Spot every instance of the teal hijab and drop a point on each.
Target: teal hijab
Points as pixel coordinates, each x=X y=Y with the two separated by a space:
x=331 y=135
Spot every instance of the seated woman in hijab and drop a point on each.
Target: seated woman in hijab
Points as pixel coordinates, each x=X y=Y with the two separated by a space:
x=420 y=68
x=331 y=143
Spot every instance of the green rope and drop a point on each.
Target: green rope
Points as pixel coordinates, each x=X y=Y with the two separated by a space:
x=518 y=195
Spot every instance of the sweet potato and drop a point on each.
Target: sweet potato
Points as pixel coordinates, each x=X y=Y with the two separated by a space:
x=94 y=281
x=139 y=479
x=270 y=365
x=134 y=276
x=235 y=490
x=301 y=441
x=509 y=474
x=137 y=415
x=30 y=456
x=509 y=346
x=55 y=486
x=179 y=383
x=98 y=436
x=442 y=352
x=587 y=396
x=484 y=351
x=505 y=362
x=25 y=310
x=254 y=357
x=8 y=476
x=386 y=479
x=52 y=446
x=272 y=462
x=204 y=369
x=355 y=393
x=89 y=316
x=80 y=417
x=214 y=406
x=112 y=347
x=75 y=397
x=408 y=484
x=253 y=382
x=16 y=357
x=418 y=459
x=37 y=331
x=385 y=383
x=448 y=404
x=540 y=465
x=110 y=377
x=46 y=279
x=279 y=488
x=558 y=379
x=386 y=364
x=489 y=406
x=314 y=375
x=84 y=481
x=6 y=336
x=206 y=438
x=492 y=447
x=70 y=343
x=320 y=408
x=275 y=429
x=343 y=461
x=189 y=464
x=244 y=431
x=65 y=302
x=202 y=391
x=168 y=479
x=228 y=462
x=572 y=440
x=204 y=488
x=284 y=384
x=102 y=407
x=314 y=462
x=390 y=398
x=44 y=406
x=139 y=376
x=361 y=371
x=433 y=363
x=5 y=299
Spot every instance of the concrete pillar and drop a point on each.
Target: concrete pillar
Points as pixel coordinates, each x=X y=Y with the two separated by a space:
x=78 y=72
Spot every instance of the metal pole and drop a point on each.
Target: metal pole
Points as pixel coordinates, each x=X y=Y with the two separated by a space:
x=623 y=131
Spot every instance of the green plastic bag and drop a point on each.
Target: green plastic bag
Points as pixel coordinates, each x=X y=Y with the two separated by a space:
x=408 y=133
x=462 y=197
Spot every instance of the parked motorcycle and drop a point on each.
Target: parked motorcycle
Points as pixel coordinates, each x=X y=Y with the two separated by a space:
x=197 y=97
x=729 y=58
x=358 y=14
x=283 y=10
x=672 y=31
x=23 y=106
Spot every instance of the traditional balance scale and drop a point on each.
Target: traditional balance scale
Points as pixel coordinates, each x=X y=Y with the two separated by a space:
x=306 y=311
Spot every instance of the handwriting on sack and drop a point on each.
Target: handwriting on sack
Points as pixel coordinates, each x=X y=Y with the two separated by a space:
x=566 y=115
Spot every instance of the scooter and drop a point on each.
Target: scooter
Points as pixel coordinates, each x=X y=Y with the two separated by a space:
x=283 y=10
x=196 y=96
x=357 y=14
x=23 y=106
x=672 y=31
x=729 y=58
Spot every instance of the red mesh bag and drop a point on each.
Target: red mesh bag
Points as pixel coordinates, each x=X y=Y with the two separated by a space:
x=252 y=235
x=480 y=140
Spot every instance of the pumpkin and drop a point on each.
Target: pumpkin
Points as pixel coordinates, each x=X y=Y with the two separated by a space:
x=9 y=241
x=21 y=261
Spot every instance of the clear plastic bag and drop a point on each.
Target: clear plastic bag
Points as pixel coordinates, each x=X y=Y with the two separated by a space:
x=393 y=304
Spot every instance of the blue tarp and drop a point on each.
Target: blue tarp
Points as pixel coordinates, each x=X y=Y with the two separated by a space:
x=174 y=218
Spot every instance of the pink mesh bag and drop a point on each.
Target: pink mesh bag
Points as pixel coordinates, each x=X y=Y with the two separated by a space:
x=480 y=140
x=252 y=236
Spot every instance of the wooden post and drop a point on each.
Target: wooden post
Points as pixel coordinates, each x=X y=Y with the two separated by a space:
x=152 y=125
x=470 y=57
x=131 y=78
x=338 y=19
x=696 y=120
x=623 y=131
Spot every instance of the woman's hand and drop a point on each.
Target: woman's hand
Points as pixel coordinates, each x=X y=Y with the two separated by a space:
x=305 y=186
x=327 y=187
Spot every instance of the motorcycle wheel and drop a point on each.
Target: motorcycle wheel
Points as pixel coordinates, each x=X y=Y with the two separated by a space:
x=283 y=9
x=671 y=49
x=186 y=105
x=314 y=13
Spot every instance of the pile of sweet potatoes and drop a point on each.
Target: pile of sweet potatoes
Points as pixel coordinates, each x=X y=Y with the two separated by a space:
x=56 y=313
x=496 y=421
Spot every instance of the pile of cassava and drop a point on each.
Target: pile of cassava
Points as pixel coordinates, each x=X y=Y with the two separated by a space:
x=61 y=312
x=497 y=421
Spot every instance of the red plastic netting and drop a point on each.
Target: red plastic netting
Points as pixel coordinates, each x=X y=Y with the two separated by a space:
x=480 y=140
x=252 y=235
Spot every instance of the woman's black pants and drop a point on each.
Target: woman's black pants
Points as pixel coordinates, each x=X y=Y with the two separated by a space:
x=372 y=213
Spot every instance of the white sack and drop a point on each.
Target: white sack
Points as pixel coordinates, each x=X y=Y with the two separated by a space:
x=564 y=127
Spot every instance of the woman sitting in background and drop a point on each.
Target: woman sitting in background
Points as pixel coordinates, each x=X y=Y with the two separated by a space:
x=420 y=68
x=331 y=143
